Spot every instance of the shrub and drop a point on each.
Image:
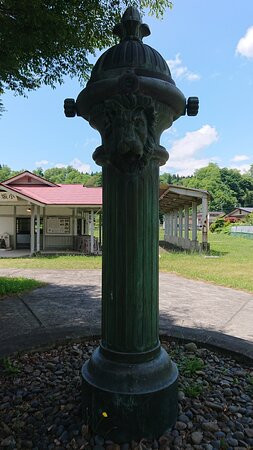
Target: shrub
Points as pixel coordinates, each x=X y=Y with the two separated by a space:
x=220 y=226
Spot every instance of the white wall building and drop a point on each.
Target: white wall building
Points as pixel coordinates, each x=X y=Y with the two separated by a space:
x=41 y=216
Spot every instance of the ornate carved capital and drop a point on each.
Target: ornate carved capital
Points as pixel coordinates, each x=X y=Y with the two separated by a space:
x=130 y=137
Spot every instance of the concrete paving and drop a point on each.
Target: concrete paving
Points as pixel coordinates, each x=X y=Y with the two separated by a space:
x=14 y=253
x=69 y=306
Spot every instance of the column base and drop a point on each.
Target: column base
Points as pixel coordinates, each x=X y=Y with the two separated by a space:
x=205 y=247
x=129 y=401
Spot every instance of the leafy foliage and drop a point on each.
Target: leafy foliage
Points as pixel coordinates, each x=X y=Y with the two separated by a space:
x=220 y=226
x=7 y=172
x=44 y=40
x=9 y=368
x=193 y=390
x=64 y=175
x=190 y=366
x=228 y=187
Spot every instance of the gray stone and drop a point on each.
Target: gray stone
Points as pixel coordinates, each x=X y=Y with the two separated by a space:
x=238 y=435
x=249 y=432
x=181 y=395
x=219 y=434
x=183 y=418
x=180 y=426
x=232 y=442
x=210 y=426
x=215 y=406
x=8 y=442
x=227 y=392
x=191 y=347
x=178 y=441
x=64 y=437
x=196 y=437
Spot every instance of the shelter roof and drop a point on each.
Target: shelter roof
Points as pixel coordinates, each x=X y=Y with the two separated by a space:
x=172 y=197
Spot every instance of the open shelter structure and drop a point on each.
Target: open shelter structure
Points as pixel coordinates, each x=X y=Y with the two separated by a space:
x=179 y=206
x=39 y=215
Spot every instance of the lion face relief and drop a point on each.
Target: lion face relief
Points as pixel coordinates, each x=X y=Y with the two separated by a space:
x=130 y=131
x=128 y=135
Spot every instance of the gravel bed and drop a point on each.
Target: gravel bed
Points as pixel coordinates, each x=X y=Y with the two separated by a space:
x=40 y=401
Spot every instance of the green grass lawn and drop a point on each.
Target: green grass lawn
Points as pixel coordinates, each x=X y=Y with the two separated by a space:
x=229 y=264
x=10 y=286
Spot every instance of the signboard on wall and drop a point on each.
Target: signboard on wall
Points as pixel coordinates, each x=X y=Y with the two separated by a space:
x=58 y=225
x=8 y=197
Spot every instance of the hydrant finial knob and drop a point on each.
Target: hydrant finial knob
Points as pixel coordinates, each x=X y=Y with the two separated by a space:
x=192 y=106
x=70 y=107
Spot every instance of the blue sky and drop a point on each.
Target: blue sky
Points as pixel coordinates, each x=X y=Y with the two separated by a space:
x=209 y=49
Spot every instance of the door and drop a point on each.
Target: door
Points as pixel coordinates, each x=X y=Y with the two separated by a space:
x=23 y=229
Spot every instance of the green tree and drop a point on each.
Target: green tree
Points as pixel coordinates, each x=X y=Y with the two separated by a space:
x=210 y=179
x=42 y=41
x=66 y=175
x=95 y=179
x=6 y=172
x=241 y=186
x=39 y=172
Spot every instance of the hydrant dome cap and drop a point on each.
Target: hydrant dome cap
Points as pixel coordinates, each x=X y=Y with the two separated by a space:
x=131 y=54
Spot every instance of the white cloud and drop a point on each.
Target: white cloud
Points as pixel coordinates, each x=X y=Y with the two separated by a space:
x=60 y=165
x=182 y=153
x=77 y=164
x=240 y=158
x=178 y=70
x=245 y=44
x=42 y=163
x=243 y=168
x=80 y=166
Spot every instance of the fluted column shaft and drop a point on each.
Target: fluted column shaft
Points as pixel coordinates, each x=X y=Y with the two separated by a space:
x=130 y=259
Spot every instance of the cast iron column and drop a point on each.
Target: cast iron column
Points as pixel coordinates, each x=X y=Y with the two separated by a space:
x=130 y=382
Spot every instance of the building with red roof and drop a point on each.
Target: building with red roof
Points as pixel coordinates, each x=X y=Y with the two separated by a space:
x=40 y=215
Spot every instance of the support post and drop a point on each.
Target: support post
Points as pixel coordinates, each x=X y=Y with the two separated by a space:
x=75 y=221
x=170 y=224
x=73 y=229
x=175 y=223
x=194 y=222
x=87 y=223
x=92 y=232
x=38 y=229
x=32 y=241
x=82 y=224
x=166 y=226
x=44 y=228
x=14 y=227
x=180 y=222
x=100 y=230
x=186 y=222
x=205 y=224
